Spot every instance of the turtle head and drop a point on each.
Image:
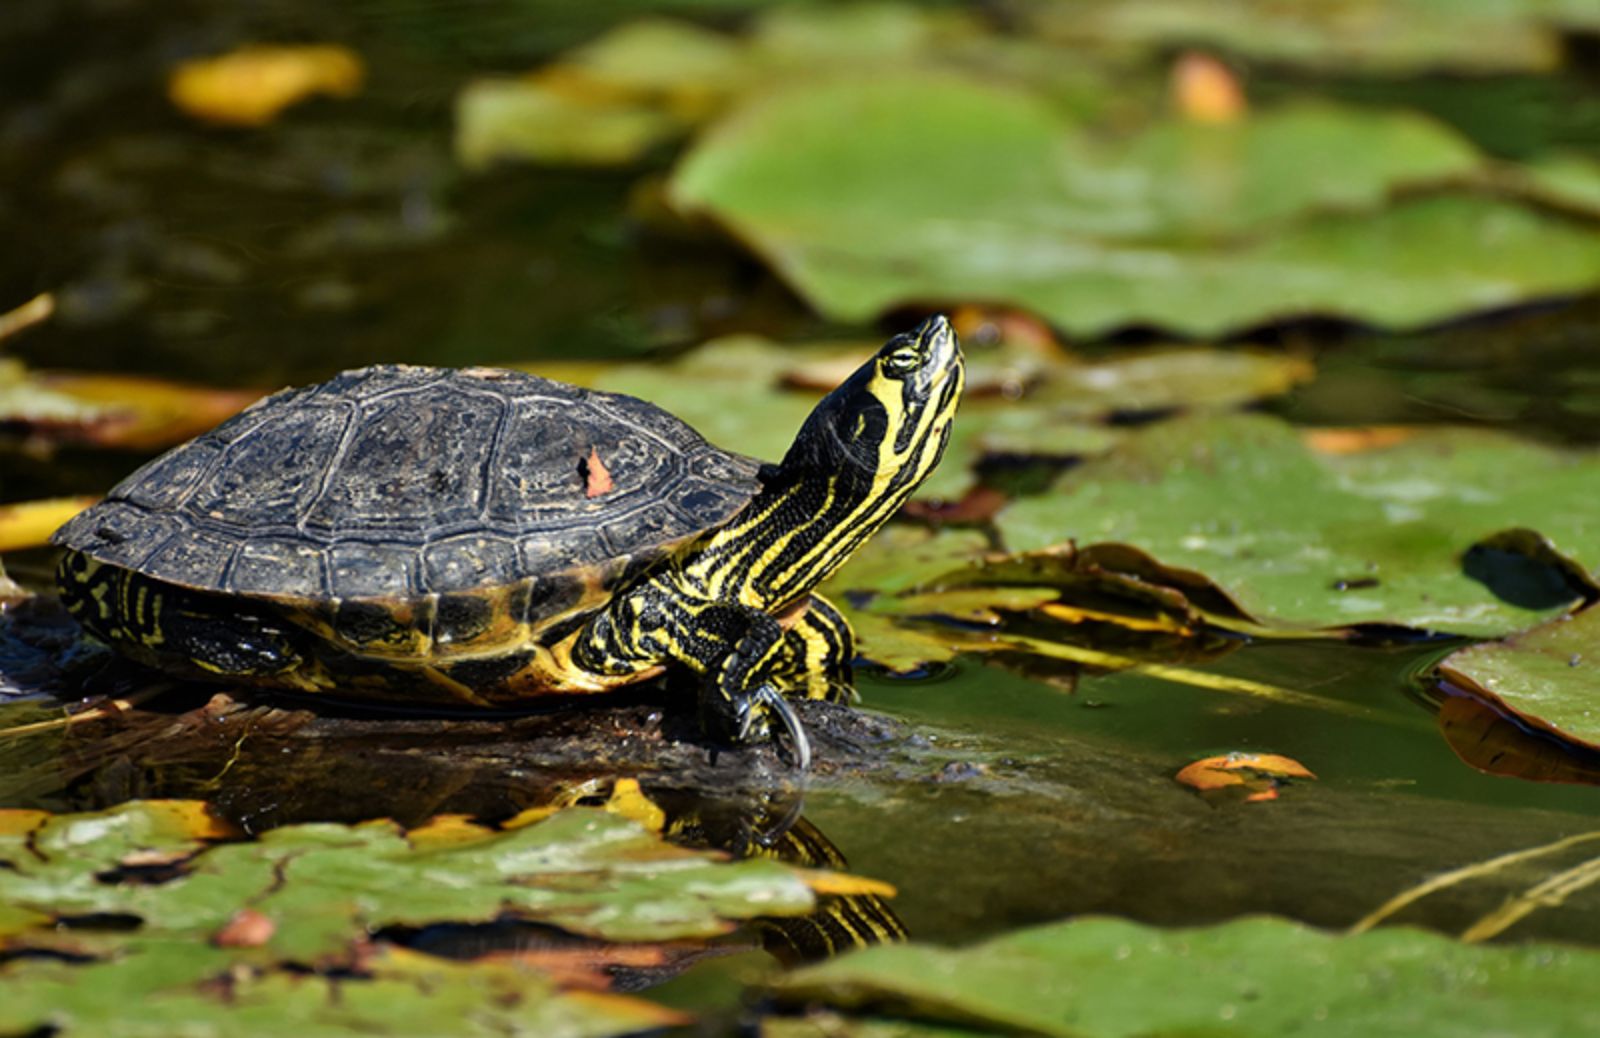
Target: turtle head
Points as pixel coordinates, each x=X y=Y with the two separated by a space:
x=890 y=419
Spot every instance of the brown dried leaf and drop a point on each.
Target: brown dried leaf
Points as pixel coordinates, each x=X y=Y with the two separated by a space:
x=597 y=479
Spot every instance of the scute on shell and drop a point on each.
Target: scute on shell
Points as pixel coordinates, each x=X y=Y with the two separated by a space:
x=397 y=481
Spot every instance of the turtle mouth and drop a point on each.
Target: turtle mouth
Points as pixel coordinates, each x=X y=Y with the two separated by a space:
x=944 y=351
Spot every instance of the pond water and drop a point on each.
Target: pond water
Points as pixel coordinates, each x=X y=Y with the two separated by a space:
x=1011 y=791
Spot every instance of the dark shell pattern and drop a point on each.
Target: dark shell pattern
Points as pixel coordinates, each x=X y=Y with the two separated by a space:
x=395 y=482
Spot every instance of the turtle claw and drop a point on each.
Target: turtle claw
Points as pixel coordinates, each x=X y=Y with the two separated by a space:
x=747 y=718
x=799 y=744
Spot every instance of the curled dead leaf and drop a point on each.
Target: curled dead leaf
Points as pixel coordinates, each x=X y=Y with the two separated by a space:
x=1257 y=775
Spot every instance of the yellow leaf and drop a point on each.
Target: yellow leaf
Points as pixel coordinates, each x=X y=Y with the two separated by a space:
x=17 y=821
x=251 y=85
x=29 y=524
x=35 y=311
x=843 y=884
x=448 y=831
x=146 y=413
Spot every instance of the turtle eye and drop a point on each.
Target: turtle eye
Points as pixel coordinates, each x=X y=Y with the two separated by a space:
x=902 y=361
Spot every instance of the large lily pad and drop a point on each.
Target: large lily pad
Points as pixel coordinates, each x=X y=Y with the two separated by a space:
x=654 y=79
x=1337 y=35
x=1010 y=204
x=589 y=872
x=1545 y=676
x=221 y=928
x=166 y=987
x=1302 y=540
x=1095 y=977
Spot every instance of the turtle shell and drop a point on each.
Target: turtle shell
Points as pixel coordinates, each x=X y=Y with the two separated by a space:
x=396 y=483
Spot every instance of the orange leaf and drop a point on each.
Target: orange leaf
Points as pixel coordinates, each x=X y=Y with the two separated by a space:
x=1354 y=440
x=1258 y=772
x=1205 y=90
x=247 y=929
x=251 y=85
x=597 y=480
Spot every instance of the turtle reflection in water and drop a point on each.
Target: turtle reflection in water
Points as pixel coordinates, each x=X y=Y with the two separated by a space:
x=746 y=826
x=476 y=537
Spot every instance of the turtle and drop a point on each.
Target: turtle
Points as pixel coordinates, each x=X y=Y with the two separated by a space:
x=478 y=536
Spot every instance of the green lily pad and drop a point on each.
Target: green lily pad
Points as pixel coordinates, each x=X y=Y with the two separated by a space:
x=729 y=390
x=1341 y=36
x=899 y=559
x=781 y=159
x=518 y=118
x=824 y=1024
x=225 y=928
x=1012 y=205
x=650 y=81
x=162 y=987
x=1299 y=540
x=1570 y=181
x=1095 y=978
x=1545 y=676
x=588 y=872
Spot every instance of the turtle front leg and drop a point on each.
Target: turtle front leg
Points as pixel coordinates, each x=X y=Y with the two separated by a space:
x=748 y=660
x=737 y=649
x=763 y=661
x=818 y=648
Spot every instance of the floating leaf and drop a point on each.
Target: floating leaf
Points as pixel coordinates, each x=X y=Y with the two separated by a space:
x=1206 y=90
x=29 y=524
x=250 y=86
x=20 y=318
x=1094 y=977
x=650 y=81
x=146 y=413
x=321 y=886
x=111 y=410
x=1254 y=773
x=167 y=987
x=1568 y=180
x=1168 y=380
x=1341 y=36
x=1410 y=535
x=515 y=118
x=221 y=928
x=1027 y=211
x=1493 y=739
x=1545 y=677
x=729 y=389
